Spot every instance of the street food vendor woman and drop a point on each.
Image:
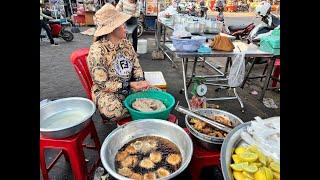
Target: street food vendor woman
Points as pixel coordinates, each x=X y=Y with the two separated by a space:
x=113 y=64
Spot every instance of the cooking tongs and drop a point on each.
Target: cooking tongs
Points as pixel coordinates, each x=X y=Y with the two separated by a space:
x=213 y=123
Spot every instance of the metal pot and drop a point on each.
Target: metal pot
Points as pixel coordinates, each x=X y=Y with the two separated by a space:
x=232 y=141
x=146 y=127
x=194 y=27
x=211 y=142
x=213 y=27
x=179 y=19
x=65 y=117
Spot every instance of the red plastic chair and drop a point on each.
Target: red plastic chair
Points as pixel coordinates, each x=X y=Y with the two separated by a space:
x=276 y=73
x=202 y=158
x=72 y=149
x=78 y=60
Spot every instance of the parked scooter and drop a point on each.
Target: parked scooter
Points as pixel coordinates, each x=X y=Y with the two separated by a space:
x=253 y=33
x=58 y=30
x=269 y=22
x=241 y=32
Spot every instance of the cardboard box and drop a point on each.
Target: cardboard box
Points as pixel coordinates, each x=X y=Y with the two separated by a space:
x=155 y=78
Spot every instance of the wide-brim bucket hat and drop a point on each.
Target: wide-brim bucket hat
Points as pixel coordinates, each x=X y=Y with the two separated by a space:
x=108 y=19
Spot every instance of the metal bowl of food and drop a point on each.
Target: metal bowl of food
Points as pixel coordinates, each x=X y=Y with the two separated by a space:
x=232 y=141
x=122 y=135
x=65 y=117
x=205 y=138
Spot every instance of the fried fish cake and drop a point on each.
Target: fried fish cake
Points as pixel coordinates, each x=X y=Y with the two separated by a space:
x=146 y=163
x=122 y=155
x=131 y=150
x=162 y=172
x=155 y=156
x=174 y=159
x=136 y=176
x=137 y=145
x=149 y=176
x=130 y=161
x=125 y=171
x=153 y=143
x=222 y=119
x=147 y=147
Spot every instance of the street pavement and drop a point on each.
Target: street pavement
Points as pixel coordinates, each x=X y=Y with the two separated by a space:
x=59 y=80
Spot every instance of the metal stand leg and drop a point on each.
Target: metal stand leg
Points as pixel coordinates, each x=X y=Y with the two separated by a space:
x=184 y=72
x=247 y=75
x=193 y=71
x=264 y=70
x=229 y=62
x=239 y=99
x=266 y=81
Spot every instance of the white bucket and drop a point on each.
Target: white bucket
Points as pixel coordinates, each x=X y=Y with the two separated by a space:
x=142 y=46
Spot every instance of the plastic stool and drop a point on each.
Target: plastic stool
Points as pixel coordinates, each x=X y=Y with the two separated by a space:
x=172 y=118
x=202 y=158
x=276 y=73
x=72 y=148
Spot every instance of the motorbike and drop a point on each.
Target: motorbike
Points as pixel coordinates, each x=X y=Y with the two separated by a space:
x=241 y=32
x=269 y=22
x=58 y=30
x=253 y=33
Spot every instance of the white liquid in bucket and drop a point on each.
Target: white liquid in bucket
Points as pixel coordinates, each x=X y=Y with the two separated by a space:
x=63 y=119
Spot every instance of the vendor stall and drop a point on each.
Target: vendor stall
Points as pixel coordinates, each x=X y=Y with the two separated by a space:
x=249 y=51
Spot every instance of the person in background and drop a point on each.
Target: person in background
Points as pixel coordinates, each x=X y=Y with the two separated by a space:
x=45 y=26
x=113 y=64
x=131 y=7
x=219 y=5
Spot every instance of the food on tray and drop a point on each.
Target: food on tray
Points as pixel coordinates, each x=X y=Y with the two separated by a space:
x=155 y=157
x=125 y=171
x=148 y=146
x=209 y=130
x=137 y=145
x=162 y=172
x=146 y=163
x=148 y=157
x=149 y=176
x=250 y=163
x=130 y=161
x=148 y=105
x=222 y=119
x=131 y=149
x=174 y=159
x=136 y=176
x=122 y=155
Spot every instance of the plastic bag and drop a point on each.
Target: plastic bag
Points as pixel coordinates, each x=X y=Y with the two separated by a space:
x=266 y=135
x=237 y=71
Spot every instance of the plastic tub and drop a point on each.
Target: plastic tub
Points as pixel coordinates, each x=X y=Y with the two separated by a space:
x=166 y=98
x=192 y=44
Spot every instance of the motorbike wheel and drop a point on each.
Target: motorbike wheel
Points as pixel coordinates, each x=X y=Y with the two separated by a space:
x=67 y=35
x=140 y=29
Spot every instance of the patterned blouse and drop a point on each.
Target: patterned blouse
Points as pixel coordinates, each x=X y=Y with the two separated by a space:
x=113 y=67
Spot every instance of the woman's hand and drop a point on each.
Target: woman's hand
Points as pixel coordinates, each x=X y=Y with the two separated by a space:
x=139 y=85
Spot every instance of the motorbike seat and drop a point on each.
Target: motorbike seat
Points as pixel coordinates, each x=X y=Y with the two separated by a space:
x=237 y=27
